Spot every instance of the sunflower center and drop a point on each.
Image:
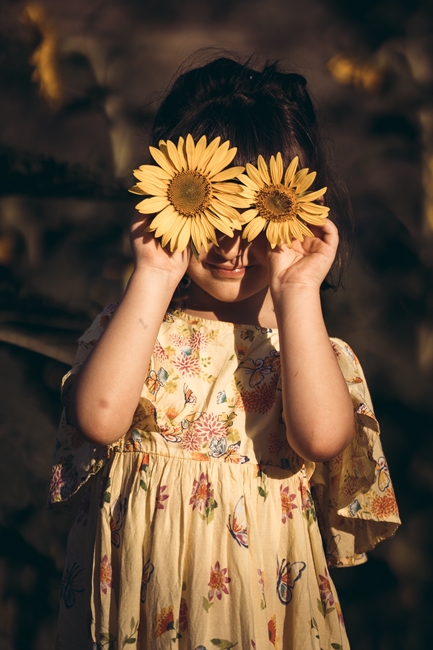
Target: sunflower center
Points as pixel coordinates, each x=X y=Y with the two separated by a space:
x=277 y=203
x=189 y=192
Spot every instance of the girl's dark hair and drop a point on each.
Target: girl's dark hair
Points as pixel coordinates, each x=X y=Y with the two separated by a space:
x=260 y=112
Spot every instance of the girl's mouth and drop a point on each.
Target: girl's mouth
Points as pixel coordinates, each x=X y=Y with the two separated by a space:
x=234 y=272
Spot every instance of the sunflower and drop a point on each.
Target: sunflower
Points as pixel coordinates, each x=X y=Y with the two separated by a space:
x=283 y=209
x=190 y=195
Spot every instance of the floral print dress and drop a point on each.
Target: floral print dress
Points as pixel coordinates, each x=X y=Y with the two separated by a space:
x=201 y=528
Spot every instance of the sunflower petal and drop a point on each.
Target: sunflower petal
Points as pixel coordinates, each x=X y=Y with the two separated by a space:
x=254 y=228
x=228 y=188
x=152 y=205
x=290 y=172
x=154 y=171
x=314 y=219
x=174 y=156
x=307 y=232
x=227 y=174
x=207 y=154
x=184 y=235
x=299 y=177
x=263 y=170
x=190 y=151
x=162 y=161
x=233 y=199
x=199 y=151
x=276 y=169
x=249 y=182
x=182 y=153
x=303 y=185
x=220 y=160
x=312 y=196
x=136 y=189
x=296 y=230
x=180 y=222
x=220 y=223
x=315 y=208
x=222 y=209
x=163 y=217
x=248 y=215
x=253 y=173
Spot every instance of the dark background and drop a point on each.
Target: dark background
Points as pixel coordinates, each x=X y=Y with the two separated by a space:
x=78 y=86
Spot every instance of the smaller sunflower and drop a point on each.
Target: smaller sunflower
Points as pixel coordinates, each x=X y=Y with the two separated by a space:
x=190 y=195
x=282 y=208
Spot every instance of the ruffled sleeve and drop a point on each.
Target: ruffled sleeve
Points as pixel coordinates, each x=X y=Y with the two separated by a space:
x=353 y=493
x=75 y=459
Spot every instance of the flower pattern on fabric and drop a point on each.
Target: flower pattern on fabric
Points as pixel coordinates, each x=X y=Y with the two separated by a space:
x=105 y=574
x=272 y=630
x=202 y=498
x=287 y=504
x=208 y=453
x=161 y=497
x=164 y=621
x=218 y=581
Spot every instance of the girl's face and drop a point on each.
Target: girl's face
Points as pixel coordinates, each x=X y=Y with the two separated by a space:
x=232 y=272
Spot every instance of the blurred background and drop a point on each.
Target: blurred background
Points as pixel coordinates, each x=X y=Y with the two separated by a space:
x=79 y=85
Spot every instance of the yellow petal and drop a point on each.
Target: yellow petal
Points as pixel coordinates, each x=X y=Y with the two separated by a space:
x=273 y=232
x=224 y=210
x=248 y=215
x=190 y=151
x=312 y=196
x=207 y=153
x=164 y=217
x=290 y=173
x=296 y=230
x=299 y=177
x=182 y=153
x=251 y=184
x=152 y=205
x=253 y=173
x=184 y=236
x=263 y=170
x=199 y=151
x=233 y=200
x=168 y=232
x=315 y=208
x=175 y=232
x=220 y=159
x=150 y=187
x=219 y=223
x=305 y=229
x=227 y=188
x=135 y=189
x=161 y=160
x=208 y=228
x=174 y=155
x=306 y=182
x=196 y=234
x=227 y=174
x=153 y=171
x=254 y=228
x=276 y=169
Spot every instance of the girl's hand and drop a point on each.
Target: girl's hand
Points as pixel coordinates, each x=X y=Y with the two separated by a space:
x=148 y=252
x=307 y=263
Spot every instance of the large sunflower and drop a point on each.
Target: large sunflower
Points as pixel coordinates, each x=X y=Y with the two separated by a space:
x=190 y=195
x=282 y=208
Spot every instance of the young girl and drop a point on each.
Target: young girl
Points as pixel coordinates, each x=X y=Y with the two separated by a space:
x=231 y=445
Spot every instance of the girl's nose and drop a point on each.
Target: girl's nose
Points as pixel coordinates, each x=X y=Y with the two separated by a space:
x=230 y=247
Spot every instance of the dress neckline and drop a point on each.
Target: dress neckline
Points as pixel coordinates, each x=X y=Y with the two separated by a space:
x=179 y=313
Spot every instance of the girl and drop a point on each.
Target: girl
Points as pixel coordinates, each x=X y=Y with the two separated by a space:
x=231 y=445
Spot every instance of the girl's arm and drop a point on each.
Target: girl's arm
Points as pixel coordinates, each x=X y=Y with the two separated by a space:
x=108 y=387
x=317 y=406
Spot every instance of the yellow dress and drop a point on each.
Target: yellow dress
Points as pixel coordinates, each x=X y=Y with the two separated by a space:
x=201 y=528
